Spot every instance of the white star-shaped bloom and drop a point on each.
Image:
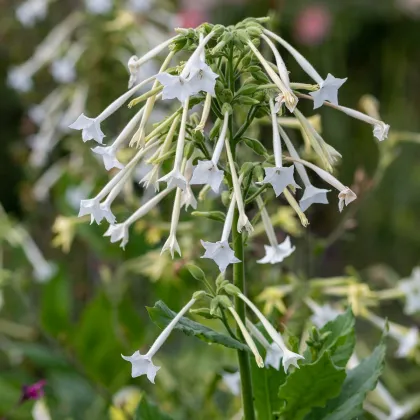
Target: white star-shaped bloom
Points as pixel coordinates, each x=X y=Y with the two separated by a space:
x=323 y=314
x=96 y=210
x=63 y=70
x=188 y=199
x=287 y=98
x=118 y=232
x=200 y=77
x=273 y=356
x=232 y=381
x=206 y=172
x=174 y=179
x=109 y=158
x=411 y=289
x=290 y=358
x=276 y=254
x=171 y=245
x=142 y=365
x=30 y=11
x=345 y=196
x=328 y=91
x=313 y=195
x=221 y=253
x=18 y=78
x=151 y=179
x=380 y=130
x=408 y=342
x=91 y=128
x=280 y=178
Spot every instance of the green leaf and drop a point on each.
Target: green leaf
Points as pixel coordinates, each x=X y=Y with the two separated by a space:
x=265 y=384
x=161 y=315
x=255 y=145
x=359 y=381
x=146 y=410
x=212 y=215
x=341 y=339
x=311 y=386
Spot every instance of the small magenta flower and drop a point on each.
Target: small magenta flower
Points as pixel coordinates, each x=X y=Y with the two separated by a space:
x=33 y=392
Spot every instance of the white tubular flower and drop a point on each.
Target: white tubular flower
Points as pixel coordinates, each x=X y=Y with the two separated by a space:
x=31 y=11
x=275 y=252
x=380 y=129
x=328 y=88
x=195 y=77
x=321 y=313
x=187 y=196
x=96 y=211
x=20 y=79
x=247 y=337
x=286 y=94
x=206 y=171
x=109 y=157
x=289 y=357
x=152 y=178
x=98 y=7
x=232 y=382
x=243 y=221
x=175 y=177
x=273 y=354
x=63 y=70
x=410 y=287
x=76 y=107
x=408 y=343
x=311 y=194
x=143 y=364
x=91 y=128
x=171 y=243
x=346 y=195
x=205 y=114
x=134 y=63
x=278 y=177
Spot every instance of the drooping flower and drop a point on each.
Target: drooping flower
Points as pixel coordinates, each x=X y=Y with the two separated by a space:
x=328 y=88
x=206 y=171
x=221 y=253
x=143 y=364
x=313 y=195
x=410 y=287
x=276 y=254
x=96 y=211
x=187 y=196
x=109 y=157
x=289 y=357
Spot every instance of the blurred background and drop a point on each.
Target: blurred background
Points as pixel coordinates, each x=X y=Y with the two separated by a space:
x=70 y=302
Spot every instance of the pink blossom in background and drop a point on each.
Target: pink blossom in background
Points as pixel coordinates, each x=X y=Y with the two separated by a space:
x=34 y=391
x=312 y=24
x=190 y=18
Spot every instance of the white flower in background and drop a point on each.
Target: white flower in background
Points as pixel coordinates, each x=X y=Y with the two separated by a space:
x=195 y=77
x=232 y=382
x=91 y=127
x=31 y=11
x=322 y=313
x=40 y=411
x=118 y=232
x=289 y=357
x=109 y=157
x=277 y=253
x=75 y=194
x=328 y=88
x=20 y=79
x=139 y=6
x=143 y=364
x=408 y=342
x=98 y=7
x=206 y=171
x=411 y=289
x=221 y=253
x=96 y=211
x=345 y=196
x=273 y=354
x=63 y=70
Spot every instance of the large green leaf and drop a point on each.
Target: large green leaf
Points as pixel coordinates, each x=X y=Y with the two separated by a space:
x=311 y=386
x=340 y=341
x=146 y=410
x=161 y=315
x=360 y=380
x=265 y=385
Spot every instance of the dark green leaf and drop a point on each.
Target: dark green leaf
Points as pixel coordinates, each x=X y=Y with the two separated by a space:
x=359 y=381
x=311 y=386
x=146 y=410
x=255 y=145
x=161 y=315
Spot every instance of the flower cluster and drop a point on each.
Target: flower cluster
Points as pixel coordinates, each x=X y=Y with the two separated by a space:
x=226 y=72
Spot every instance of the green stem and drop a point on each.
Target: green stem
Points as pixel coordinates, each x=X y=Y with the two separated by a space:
x=243 y=358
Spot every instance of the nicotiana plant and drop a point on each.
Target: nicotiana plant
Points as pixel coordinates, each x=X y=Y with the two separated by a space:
x=224 y=70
